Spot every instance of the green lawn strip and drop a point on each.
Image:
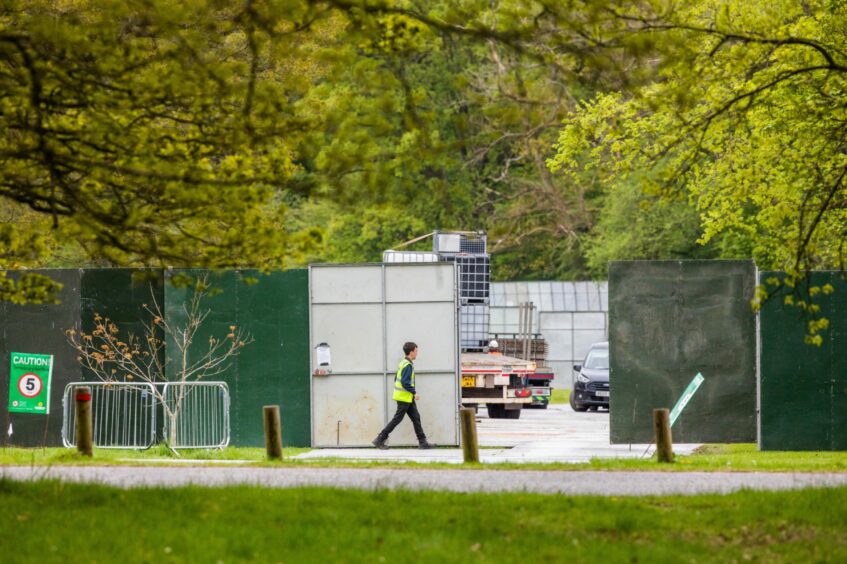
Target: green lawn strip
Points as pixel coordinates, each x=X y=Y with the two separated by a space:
x=52 y=455
x=56 y=522
x=710 y=458
x=559 y=396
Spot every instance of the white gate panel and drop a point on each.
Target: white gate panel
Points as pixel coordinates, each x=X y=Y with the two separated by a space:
x=419 y=283
x=430 y=326
x=354 y=332
x=347 y=410
x=348 y=284
x=438 y=408
x=365 y=313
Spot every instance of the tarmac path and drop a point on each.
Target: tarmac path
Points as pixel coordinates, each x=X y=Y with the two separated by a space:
x=557 y=434
x=606 y=483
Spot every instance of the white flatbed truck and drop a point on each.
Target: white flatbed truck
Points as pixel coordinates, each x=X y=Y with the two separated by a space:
x=498 y=381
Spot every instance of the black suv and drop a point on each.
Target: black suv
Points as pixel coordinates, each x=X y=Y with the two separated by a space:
x=591 y=389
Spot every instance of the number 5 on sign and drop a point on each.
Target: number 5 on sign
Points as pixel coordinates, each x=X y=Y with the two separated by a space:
x=29 y=386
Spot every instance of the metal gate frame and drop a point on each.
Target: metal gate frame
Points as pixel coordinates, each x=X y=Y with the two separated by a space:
x=199 y=431
x=116 y=416
x=386 y=371
x=126 y=414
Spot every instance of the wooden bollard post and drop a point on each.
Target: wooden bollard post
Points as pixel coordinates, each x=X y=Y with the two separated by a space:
x=470 y=443
x=273 y=432
x=84 y=424
x=664 y=442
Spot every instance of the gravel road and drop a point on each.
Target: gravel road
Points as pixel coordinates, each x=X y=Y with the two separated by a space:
x=545 y=482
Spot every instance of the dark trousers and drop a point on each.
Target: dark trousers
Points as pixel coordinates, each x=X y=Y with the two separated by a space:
x=403 y=409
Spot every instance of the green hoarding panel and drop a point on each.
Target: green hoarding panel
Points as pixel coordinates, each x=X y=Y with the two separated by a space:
x=121 y=295
x=39 y=329
x=274 y=368
x=668 y=321
x=838 y=353
x=222 y=311
x=803 y=387
x=118 y=294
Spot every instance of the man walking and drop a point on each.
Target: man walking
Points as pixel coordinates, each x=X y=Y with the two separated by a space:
x=405 y=396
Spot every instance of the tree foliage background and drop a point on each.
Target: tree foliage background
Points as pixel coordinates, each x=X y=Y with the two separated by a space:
x=271 y=133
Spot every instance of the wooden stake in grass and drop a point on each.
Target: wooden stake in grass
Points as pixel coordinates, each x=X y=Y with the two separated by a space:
x=470 y=443
x=273 y=432
x=84 y=423
x=664 y=442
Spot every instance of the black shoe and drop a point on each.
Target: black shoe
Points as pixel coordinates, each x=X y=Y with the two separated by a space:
x=426 y=445
x=379 y=444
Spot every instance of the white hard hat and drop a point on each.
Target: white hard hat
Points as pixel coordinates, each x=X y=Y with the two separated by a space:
x=493 y=344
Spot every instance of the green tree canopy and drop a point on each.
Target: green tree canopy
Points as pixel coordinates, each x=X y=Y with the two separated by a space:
x=269 y=132
x=746 y=118
x=150 y=132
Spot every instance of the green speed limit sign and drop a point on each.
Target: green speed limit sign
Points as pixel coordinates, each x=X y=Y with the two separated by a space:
x=29 y=385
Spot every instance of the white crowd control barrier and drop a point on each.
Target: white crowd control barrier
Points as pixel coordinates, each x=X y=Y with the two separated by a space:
x=126 y=414
x=202 y=414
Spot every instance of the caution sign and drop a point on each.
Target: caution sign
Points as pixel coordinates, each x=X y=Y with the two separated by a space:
x=29 y=386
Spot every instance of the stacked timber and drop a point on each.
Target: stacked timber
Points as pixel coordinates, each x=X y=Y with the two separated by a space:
x=511 y=345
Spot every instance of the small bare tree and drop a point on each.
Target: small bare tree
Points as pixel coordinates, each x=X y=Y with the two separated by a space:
x=141 y=358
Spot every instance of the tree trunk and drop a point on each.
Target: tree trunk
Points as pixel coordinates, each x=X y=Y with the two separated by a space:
x=172 y=435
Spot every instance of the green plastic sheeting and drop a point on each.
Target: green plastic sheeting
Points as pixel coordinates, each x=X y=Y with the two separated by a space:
x=803 y=387
x=669 y=320
x=39 y=329
x=274 y=369
x=120 y=294
x=116 y=293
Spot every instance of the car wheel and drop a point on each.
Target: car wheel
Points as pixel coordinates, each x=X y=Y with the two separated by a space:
x=513 y=413
x=576 y=406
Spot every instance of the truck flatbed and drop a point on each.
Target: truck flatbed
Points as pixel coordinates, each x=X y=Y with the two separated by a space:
x=484 y=363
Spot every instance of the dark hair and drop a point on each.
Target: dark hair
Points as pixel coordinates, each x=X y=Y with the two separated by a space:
x=408 y=347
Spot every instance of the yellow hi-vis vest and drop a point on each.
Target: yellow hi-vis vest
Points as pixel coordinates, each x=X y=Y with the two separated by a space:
x=400 y=393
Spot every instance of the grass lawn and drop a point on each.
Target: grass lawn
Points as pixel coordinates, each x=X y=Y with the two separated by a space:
x=559 y=396
x=738 y=457
x=715 y=458
x=55 y=522
x=58 y=455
